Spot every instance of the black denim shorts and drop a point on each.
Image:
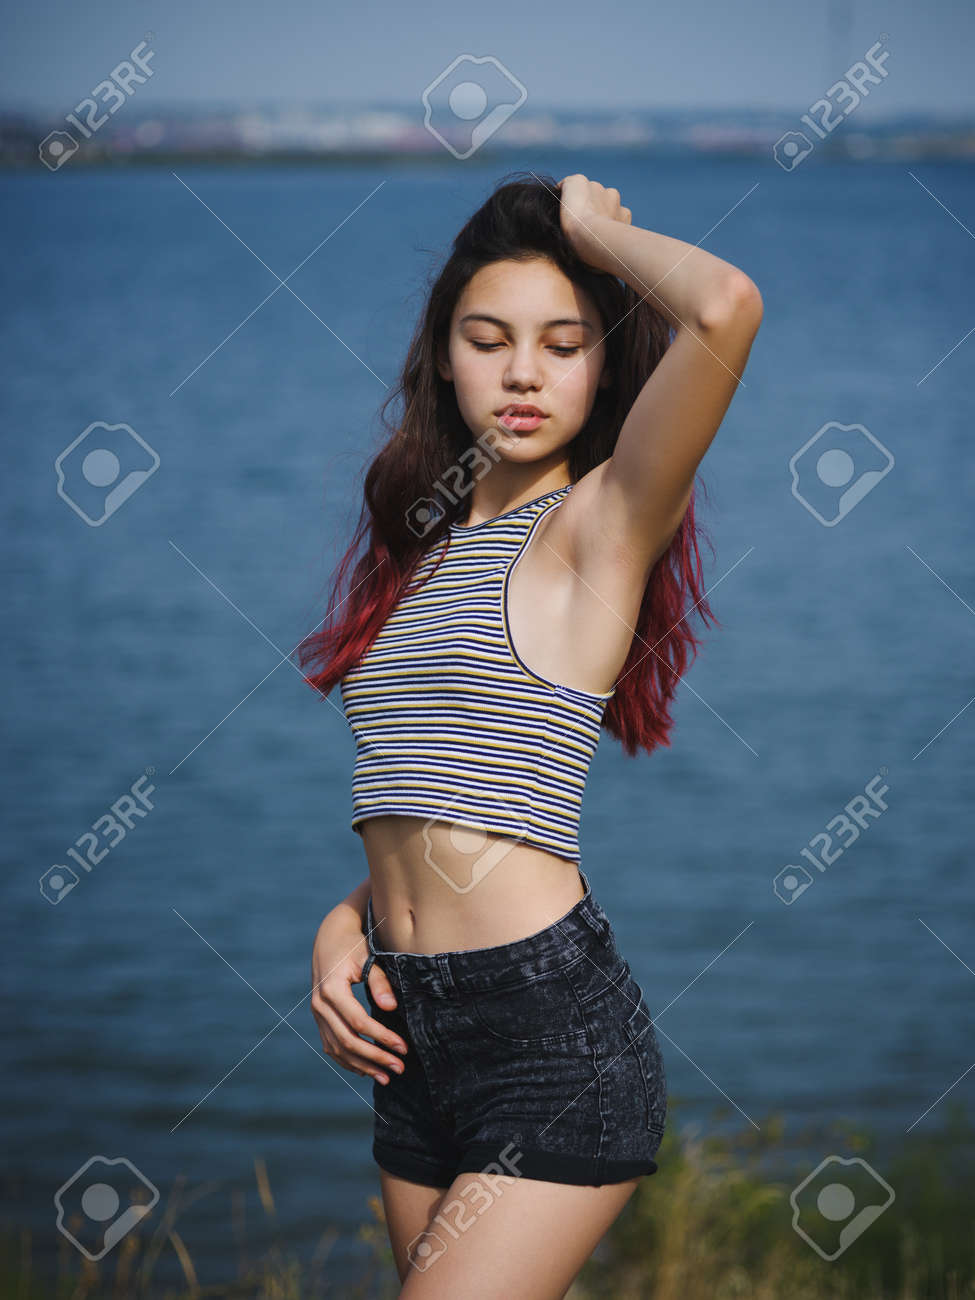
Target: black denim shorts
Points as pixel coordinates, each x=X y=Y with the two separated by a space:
x=536 y=1058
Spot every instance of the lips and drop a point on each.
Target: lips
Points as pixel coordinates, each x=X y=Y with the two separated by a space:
x=521 y=419
x=521 y=409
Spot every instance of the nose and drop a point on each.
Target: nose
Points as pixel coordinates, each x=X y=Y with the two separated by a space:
x=522 y=370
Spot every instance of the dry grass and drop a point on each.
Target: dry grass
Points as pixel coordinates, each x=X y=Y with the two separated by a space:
x=715 y=1221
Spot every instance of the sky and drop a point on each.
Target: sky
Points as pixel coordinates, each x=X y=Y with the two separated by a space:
x=614 y=54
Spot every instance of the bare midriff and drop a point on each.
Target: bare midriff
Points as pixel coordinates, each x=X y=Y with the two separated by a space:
x=440 y=887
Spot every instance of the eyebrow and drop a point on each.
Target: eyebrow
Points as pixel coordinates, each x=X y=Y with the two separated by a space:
x=503 y=324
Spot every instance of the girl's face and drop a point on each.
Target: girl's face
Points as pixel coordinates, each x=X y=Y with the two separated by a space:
x=522 y=333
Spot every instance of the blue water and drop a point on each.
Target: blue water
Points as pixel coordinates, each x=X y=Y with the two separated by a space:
x=144 y=1007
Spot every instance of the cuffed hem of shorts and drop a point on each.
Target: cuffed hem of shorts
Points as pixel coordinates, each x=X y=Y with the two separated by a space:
x=553 y=1166
x=404 y=1164
x=544 y=1166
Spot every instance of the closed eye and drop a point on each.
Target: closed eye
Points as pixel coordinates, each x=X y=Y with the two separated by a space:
x=562 y=351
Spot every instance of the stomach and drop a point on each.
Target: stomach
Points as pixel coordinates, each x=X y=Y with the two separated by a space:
x=440 y=887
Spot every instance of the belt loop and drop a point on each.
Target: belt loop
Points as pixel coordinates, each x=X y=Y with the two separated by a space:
x=596 y=919
x=443 y=962
x=367 y=964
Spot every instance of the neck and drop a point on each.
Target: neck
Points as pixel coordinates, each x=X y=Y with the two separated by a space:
x=496 y=494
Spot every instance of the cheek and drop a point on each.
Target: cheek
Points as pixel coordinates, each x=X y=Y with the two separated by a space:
x=578 y=389
x=470 y=377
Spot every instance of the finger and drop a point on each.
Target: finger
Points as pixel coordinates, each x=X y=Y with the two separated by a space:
x=359 y=1051
x=360 y=1023
x=378 y=983
x=352 y=1052
x=332 y=1049
x=373 y=1067
x=345 y=1016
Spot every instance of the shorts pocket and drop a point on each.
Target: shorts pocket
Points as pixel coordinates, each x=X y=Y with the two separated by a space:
x=642 y=1042
x=539 y=1012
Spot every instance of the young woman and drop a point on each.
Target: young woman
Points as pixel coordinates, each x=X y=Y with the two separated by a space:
x=531 y=563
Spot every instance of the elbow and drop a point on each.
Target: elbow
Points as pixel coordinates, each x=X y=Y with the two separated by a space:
x=737 y=302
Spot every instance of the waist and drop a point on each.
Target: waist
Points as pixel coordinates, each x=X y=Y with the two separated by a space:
x=582 y=931
x=440 y=887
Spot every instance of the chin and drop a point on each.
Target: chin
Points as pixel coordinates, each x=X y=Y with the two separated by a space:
x=524 y=449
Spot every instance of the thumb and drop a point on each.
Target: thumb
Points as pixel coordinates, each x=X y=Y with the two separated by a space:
x=381 y=988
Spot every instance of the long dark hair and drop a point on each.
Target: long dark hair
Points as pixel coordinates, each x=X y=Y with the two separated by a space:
x=429 y=450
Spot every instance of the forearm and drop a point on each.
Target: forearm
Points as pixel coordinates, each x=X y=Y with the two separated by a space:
x=354 y=906
x=682 y=281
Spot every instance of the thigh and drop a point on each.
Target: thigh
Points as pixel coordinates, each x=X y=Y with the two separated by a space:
x=409 y=1208
x=520 y=1238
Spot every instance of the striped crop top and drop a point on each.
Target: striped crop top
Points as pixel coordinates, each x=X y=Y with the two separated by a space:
x=449 y=723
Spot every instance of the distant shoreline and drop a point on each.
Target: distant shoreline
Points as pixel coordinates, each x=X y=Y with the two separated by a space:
x=282 y=135
x=886 y=152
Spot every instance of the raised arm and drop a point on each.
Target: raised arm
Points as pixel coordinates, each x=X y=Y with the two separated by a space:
x=636 y=500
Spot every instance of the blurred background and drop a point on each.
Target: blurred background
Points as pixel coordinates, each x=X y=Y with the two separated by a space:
x=219 y=229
